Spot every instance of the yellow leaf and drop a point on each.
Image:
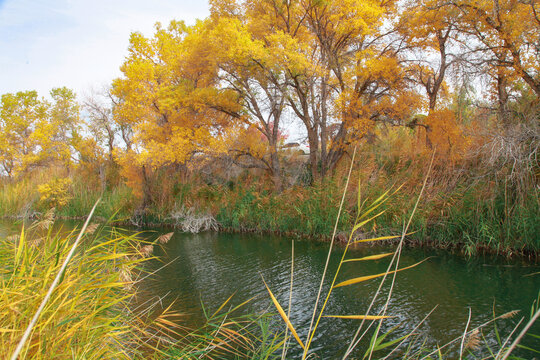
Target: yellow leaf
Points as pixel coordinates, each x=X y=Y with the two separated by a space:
x=372 y=257
x=284 y=316
x=358 y=317
x=369 y=277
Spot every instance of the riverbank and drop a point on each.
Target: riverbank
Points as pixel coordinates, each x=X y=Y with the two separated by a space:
x=472 y=220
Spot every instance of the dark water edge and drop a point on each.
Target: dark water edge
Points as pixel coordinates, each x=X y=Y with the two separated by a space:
x=209 y=267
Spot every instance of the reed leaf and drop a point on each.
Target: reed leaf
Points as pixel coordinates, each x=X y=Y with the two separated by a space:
x=362 y=223
x=223 y=305
x=381 y=238
x=284 y=316
x=369 y=277
x=372 y=257
x=358 y=317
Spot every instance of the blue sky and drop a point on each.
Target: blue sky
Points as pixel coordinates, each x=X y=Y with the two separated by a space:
x=76 y=43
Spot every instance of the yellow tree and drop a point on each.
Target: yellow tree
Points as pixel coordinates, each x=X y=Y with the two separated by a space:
x=431 y=33
x=61 y=135
x=509 y=29
x=155 y=100
x=249 y=85
x=19 y=115
x=366 y=73
x=335 y=66
x=36 y=132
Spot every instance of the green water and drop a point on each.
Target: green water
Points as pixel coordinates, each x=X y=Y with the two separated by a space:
x=207 y=268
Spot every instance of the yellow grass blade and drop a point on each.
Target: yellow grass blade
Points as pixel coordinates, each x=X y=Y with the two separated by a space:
x=358 y=317
x=8 y=330
x=111 y=257
x=382 y=238
x=359 y=225
x=284 y=316
x=369 y=277
x=223 y=305
x=380 y=198
x=242 y=304
x=372 y=257
x=20 y=247
x=377 y=239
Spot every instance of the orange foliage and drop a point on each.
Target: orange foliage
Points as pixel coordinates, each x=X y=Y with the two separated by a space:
x=445 y=136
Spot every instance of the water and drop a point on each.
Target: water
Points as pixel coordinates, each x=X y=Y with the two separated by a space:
x=209 y=267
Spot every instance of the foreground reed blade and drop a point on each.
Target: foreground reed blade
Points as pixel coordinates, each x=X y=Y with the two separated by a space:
x=311 y=330
x=34 y=320
x=369 y=277
x=396 y=258
x=284 y=316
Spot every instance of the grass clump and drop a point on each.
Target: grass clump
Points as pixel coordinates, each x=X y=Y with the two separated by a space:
x=88 y=313
x=88 y=306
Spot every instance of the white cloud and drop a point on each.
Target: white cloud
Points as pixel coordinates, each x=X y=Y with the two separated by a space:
x=78 y=44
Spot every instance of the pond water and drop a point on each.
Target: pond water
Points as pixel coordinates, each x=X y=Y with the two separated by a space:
x=209 y=267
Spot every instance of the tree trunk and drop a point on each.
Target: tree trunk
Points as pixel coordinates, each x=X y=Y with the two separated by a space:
x=324 y=130
x=502 y=98
x=313 y=153
x=147 y=193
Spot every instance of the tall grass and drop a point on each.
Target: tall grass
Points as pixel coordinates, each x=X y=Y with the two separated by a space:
x=460 y=208
x=18 y=198
x=87 y=313
x=118 y=201
x=87 y=306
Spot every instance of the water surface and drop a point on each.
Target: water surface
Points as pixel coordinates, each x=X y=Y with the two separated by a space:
x=207 y=268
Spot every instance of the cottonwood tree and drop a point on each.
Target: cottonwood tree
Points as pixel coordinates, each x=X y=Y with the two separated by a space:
x=366 y=73
x=36 y=132
x=508 y=30
x=156 y=98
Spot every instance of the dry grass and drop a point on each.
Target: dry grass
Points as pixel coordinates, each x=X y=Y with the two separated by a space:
x=88 y=314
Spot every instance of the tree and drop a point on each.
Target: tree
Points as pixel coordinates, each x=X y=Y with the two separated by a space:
x=156 y=98
x=509 y=29
x=100 y=121
x=36 y=132
x=362 y=58
x=431 y=33
x=19 y=115
x=249 y=87
x=333 y=63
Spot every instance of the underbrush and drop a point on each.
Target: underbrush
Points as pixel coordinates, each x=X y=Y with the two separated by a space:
x=474 y=217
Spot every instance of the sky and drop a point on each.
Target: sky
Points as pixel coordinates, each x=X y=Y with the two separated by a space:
x=79 y=44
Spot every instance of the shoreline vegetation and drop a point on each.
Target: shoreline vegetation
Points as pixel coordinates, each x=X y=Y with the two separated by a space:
x=470 y=225
x=246 y=121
